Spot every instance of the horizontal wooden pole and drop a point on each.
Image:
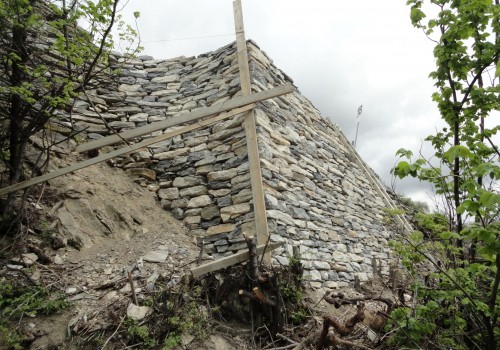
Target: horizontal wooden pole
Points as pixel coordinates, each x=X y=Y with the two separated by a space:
x=232 y=259
x=188 y=117
x=121 y=151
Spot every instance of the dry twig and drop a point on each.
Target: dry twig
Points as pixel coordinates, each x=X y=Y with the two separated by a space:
x=114 y=333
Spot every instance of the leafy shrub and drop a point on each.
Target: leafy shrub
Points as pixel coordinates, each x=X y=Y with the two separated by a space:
x=17 y=301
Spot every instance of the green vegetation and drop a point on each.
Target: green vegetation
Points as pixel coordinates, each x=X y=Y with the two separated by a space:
x=176 y=311
x=181 y=313
x=292 y=291
x=18 y=301
x=141 y=332
x=454 y=256
x=451 y=300
x=46 y=61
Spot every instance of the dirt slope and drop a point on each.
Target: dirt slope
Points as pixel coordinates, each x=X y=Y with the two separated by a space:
x=120 y=229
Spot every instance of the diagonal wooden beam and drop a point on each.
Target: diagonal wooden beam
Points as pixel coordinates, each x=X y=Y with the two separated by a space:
x=261 y=227
x=124 y=150
x=232 y=259
x=186 y=118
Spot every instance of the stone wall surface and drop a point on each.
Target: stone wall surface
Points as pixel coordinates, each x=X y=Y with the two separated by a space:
x=317 y=195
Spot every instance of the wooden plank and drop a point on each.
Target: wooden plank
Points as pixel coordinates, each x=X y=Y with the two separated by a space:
x=232 y=259
x=188 y=117
x=121 y=151
x=241 y=45
x=251 y=132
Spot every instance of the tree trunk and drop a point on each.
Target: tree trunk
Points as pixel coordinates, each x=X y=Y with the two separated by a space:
x=17 y=141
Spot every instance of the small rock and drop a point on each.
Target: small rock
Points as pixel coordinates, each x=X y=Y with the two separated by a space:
x=153 y=188
x=140 y=264
x=150 y=282
x=138 y=312
x=169 y=193
x=58 y=260
x=178 y=213
x=200 y=201
x=73 y=194
x=127 y=289
x=372 y=335
x=282 y=260
x=71 y=290
x=35 y=276
x=111 y=295
x=321 y=265
x=78 y=297
x=219 y=343
x=234 y=210
x=144 y=172
x=29 y=259
x=312 y=275
x=210 y=212
x=220 y=229
x=186 y=339
x=315 y=285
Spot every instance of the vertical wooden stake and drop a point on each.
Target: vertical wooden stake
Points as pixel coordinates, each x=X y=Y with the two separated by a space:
x=132 y=288
x=261 y=228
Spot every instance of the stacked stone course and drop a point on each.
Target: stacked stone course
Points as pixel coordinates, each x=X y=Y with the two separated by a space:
x=317 y=196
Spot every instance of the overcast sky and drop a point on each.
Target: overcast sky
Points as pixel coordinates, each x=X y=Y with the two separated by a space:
x=340 y=54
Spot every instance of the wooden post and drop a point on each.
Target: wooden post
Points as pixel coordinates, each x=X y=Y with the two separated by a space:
x=251 y=133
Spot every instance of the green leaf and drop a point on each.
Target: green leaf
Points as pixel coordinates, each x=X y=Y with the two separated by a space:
x=468 y=205
x=416 y=16
x=432 y=305
x=449 y=235
x=402 y=169
x=489 y=199
x=465 y=301
x=459 y=151
x=404 y=153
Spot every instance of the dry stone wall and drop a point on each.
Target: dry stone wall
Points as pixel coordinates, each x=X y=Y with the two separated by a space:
x=317 y=196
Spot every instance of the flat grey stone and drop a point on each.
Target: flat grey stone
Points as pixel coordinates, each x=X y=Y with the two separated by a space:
x=200 y=201
x=156 y=256
x=210 y=212
x=169 y=193
x=166 y=79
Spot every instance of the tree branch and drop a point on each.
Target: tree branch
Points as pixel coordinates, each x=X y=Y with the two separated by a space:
x=105 y=35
